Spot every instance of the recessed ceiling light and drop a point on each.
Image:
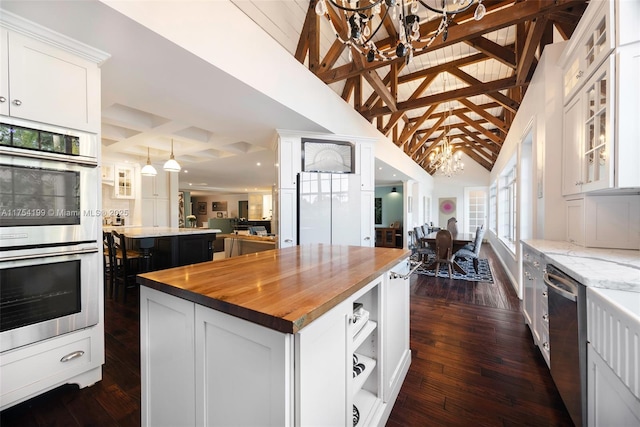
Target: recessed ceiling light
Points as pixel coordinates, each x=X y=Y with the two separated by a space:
x=186 y=171
x=394 y=174
x=380 y=168
x=258 y=164
x=190 y=183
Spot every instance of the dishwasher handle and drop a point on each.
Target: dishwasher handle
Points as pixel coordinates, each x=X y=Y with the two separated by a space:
x=563 y=292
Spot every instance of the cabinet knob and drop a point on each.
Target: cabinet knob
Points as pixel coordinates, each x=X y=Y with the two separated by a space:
x=17 y=102
x=367 y=238
x=3 y=99
x=580 y=73
x=545 y=345
x=545 y=317
x=544 y=294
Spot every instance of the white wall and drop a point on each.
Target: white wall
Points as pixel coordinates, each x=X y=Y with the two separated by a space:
x=541 y=113
x=474 y=175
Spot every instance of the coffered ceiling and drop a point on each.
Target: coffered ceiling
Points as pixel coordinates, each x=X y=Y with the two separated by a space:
x=467 y=87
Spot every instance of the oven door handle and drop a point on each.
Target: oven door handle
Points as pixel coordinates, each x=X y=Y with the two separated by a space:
x=51 y=254
x=566 y=294
x=38 y=155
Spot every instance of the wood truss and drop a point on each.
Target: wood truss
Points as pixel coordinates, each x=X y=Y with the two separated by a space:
x=478 y=133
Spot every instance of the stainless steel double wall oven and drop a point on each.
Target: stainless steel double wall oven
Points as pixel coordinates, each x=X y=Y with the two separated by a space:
x=49 y=232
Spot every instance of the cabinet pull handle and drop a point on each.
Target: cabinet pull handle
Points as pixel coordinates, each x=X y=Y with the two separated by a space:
x=580 y=73
x=72 y=356
x=367 y=238
x=288 y=240
x=3 y=99
x=17 y=102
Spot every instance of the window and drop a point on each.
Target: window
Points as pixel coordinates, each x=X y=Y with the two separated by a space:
x=493 y=208
x=508 y=208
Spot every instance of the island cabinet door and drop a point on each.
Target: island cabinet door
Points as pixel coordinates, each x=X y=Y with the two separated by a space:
x=321 y=374
x=395 y=325
x=167 y=353
x=243 y=372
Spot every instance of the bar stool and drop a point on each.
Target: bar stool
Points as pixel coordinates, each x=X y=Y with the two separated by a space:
x=127 y=265
x=109 y=262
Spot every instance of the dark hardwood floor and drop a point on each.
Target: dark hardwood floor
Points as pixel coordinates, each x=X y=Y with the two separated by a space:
x=474 y=364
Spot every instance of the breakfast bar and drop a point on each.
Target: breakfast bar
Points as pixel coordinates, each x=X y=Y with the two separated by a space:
x=167 y=247
x=272 y=338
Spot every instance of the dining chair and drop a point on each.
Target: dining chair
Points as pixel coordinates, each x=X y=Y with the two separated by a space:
x=127 y=264
x=472 y=251
x=444 y=250
x=422 y=247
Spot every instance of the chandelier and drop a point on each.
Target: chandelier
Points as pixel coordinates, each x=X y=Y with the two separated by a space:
x=446 y=162
x=366 y=17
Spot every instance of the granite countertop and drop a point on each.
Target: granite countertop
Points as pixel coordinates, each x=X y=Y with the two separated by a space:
x=617 y=269
x=146 y=232
x=282 y=289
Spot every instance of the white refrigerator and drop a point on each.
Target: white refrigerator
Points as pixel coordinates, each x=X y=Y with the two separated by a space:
x=329 y=208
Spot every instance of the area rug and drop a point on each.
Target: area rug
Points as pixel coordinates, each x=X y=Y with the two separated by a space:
x=483 y=275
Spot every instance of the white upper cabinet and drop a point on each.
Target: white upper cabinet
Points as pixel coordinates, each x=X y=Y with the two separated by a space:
x=595 y=42
x=47 y=84
x=602 y=102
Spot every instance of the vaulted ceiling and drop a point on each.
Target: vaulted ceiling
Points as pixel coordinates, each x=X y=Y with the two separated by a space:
x=467 y=87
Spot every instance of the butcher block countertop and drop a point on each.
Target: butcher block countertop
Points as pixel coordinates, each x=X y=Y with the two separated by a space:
x=282 y=289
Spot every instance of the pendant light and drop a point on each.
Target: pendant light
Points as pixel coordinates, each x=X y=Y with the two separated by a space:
x=148 y=169
x=171 y=165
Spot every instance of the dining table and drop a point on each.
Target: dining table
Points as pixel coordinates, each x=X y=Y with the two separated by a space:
x=459 y=240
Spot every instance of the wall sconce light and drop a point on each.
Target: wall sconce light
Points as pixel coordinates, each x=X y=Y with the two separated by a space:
x=393 y=190
x=171 y=165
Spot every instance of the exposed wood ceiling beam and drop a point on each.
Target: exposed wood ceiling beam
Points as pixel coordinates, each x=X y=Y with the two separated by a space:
x=476 y=125
x=504 y=100
x=379 y=87
x=534 y=34
x=518 y=12
x=483 y=113
x=465 y=92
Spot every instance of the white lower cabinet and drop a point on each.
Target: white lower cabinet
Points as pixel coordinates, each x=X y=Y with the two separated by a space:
x=73 y=358
x=242 y=372
x=610 y=403
x=203 y=367
x=535 y=300
x=613 y=373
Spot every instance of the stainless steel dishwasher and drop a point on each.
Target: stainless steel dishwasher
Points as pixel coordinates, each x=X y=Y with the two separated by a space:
x=568 y=341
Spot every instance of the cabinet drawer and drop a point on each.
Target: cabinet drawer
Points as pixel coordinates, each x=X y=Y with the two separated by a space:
x=33 y=364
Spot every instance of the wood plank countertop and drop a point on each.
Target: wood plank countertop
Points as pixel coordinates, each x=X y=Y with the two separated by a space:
x=282 y=289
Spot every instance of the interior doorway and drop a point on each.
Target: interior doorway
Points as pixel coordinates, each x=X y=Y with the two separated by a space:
x=243 y=209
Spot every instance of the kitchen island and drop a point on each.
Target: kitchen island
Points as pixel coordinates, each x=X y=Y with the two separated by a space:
x=272 y=338
x=166 y=247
